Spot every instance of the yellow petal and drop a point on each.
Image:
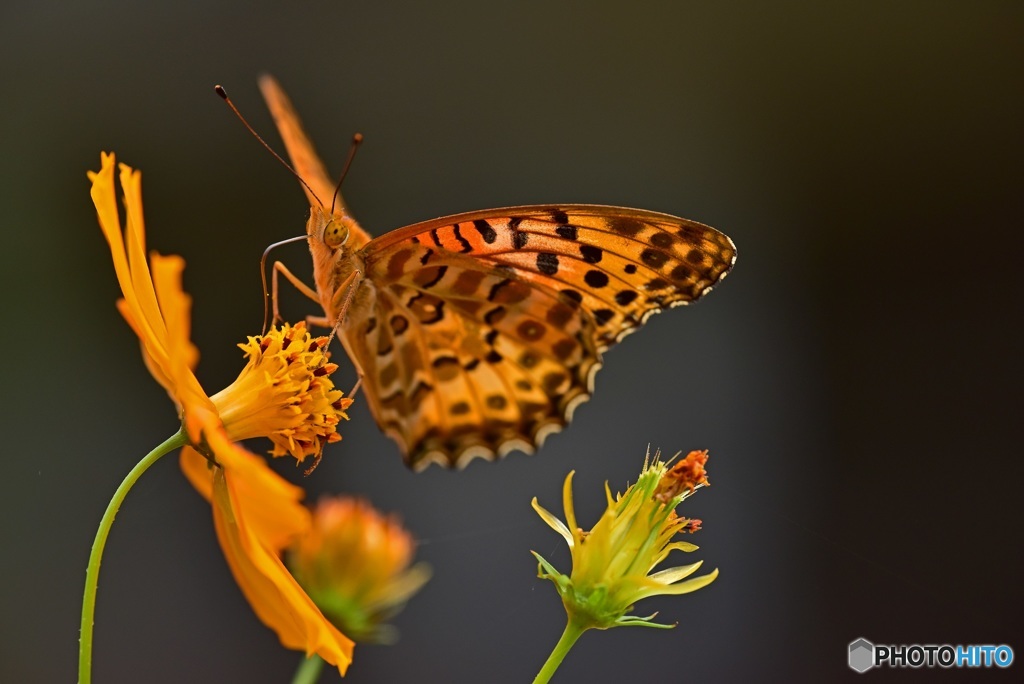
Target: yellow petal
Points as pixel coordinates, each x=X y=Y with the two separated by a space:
x=570 y=512
x=678 y=588
x=670 y=575
x=553 y=522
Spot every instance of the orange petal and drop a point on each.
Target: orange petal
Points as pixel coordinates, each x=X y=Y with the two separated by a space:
x=139 y=306
x=275 y=596
x=181 y=354
x=135 y=242
x=268 y=503
x=139 y=302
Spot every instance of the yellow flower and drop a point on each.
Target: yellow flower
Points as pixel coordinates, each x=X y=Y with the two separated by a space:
x=355 y=564
x=613 y=563
x=256 y=513
x=284 y=393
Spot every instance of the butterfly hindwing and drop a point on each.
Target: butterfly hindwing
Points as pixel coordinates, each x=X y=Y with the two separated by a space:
x=467 y=359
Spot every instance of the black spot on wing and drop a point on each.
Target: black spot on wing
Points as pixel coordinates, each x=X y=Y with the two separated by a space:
x=591 y=254
x=487 y=233
x=595 y=278
x=496 y=288
x=494 y=315
x=519 y=238
x=573 y=297
x=463 y=242
x=625 y=297
x=567 y=232
x=625 y=226
x=681 y=272
x=656 y=284
x=662 y=240
x=547 y=263
x=653 y=258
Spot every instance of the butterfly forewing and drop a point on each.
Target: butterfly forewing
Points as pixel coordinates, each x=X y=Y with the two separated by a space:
x=318 y=184
x=618 y=265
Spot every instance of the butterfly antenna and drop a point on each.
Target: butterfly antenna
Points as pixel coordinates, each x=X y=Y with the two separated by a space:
x=263 y=276
x=224 y=96
x=357 y=140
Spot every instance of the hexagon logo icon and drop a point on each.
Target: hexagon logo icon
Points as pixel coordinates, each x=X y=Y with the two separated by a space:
x=862 y=655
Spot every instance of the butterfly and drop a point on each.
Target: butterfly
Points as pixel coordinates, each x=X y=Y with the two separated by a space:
x=480 y=333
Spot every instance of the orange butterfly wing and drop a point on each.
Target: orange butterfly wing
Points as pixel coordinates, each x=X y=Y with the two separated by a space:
x=488 y=327
x=480 y=333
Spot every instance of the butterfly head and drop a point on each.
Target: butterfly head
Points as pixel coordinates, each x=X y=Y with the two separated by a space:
x=330 y=230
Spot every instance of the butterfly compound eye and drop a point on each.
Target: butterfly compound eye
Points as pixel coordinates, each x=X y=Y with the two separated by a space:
x=335 y=233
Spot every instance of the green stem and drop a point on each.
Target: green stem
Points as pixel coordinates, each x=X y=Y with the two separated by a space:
x=309 y=670
x=572 y=632
x=92 y=572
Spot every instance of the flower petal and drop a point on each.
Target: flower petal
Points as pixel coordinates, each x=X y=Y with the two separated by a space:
x=135 y=243
x=679 y=588
x=553 y=522
x=200 y=414
x=139 y=306
x=150 y=316
x=570 y=512
x=269 y=504
x=670 y=575
x=275 y=596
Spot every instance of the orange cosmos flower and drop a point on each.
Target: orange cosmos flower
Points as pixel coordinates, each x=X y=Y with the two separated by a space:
x=284 y=393
x=355 y=564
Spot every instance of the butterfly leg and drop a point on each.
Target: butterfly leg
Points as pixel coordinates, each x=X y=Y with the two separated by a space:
x=299 y=285
x=359 y=383
x=343 y=296
x=318 y=321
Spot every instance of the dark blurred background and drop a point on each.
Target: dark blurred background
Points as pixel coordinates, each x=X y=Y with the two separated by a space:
x=856 y=378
